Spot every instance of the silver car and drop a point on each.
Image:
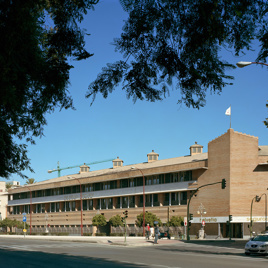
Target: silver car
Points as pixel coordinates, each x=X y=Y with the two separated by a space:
x=257 y=245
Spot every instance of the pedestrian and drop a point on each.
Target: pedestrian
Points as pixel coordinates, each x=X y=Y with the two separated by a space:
x=148 y=231
x=156 y=234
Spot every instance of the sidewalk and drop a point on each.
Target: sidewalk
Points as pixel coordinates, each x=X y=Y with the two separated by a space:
x=134 y=241
x=105 y=240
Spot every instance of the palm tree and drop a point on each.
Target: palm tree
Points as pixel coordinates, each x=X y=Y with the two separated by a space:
x=30 y=181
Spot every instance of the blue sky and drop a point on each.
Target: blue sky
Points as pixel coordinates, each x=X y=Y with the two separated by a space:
x=116 y=127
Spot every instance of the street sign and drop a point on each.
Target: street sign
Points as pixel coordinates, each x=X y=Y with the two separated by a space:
x=24 y=219
x=185 y=221
x=203 y=223
x=24 y=230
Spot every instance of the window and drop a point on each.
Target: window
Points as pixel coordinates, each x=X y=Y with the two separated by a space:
x=149 y=181
x=156 y=179
x=124 y=183
x=183 y=198
x=131 y=182
x=106 y=185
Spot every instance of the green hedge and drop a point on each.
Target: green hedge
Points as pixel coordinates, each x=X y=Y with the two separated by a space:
x=117 y=234
x=100 y=234
x=87 y=234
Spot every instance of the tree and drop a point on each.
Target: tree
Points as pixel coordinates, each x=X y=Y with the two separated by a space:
x=12 y=223
x=176 y=221
x=35 y=66
x=116 y=221
x=177 y=43
x=149 y=218
x=30 y=181
x=8 y=185
x=99 y=220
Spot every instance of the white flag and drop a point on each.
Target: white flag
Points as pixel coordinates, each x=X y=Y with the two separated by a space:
x=228 y=111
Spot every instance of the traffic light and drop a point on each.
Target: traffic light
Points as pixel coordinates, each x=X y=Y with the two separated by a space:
x=191 y=217
x=230 y=218
x=122 y=219
x=189 y=223
x=126 y=213
x=223 y=183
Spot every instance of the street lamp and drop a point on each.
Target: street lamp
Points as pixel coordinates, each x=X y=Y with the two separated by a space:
x=81 y=201
x=242 y=64
x=143 y=224
x=258 y=199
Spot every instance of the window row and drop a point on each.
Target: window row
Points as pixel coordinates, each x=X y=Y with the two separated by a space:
x=116 y=184
x=151 y=200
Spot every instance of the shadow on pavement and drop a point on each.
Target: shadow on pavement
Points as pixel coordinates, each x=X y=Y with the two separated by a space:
x=26 y=259
x=218 y=248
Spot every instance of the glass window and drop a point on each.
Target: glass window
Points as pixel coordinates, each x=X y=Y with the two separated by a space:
x=156 y=179
x=124 y=183
x=149 y=181
x=57 y=207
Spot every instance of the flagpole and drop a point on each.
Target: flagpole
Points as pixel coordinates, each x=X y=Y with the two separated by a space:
x=230 y=116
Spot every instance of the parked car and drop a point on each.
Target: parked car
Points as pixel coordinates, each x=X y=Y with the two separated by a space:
x=257 y=245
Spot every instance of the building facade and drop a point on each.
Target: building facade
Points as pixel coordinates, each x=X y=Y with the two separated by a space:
x=3 y=200
x=166 y=184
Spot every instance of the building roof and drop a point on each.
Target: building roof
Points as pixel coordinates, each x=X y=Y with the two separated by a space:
x=141 y=166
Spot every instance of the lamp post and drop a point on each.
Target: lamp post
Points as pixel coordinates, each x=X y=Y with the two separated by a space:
x=81 y=203
x=242 y=64
x=30 y=209
x=143 y=224
x=258 y=199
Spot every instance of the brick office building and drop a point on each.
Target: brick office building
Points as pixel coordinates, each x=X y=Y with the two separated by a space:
x=234 y=156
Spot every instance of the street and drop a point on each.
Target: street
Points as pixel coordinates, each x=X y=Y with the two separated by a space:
x=46 y=253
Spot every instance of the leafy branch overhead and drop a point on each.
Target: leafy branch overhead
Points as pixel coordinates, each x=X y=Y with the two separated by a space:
x=40 y=36
x=178 y=43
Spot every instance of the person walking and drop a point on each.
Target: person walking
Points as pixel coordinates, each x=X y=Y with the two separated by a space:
x=156 y=234
x=148 y=231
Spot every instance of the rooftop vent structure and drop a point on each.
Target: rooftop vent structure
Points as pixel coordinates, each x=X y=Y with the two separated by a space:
x=117 y=162
x=196 y=149
x=84 y=168
x=152 y=156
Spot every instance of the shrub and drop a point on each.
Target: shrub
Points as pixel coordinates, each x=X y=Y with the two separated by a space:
x=87 y=234
x=117 y=234
x=100 y=234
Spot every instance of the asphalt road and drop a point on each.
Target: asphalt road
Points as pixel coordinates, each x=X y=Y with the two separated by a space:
x=42 y=253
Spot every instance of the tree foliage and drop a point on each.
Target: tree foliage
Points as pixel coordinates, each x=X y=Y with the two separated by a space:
x=149 y=218
x=176 y=221
x=8 y=185
x=116 y=221
x=99 y=220
x=168 y=42
x=30 y=181
x=13 y=223
x=39 y=37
